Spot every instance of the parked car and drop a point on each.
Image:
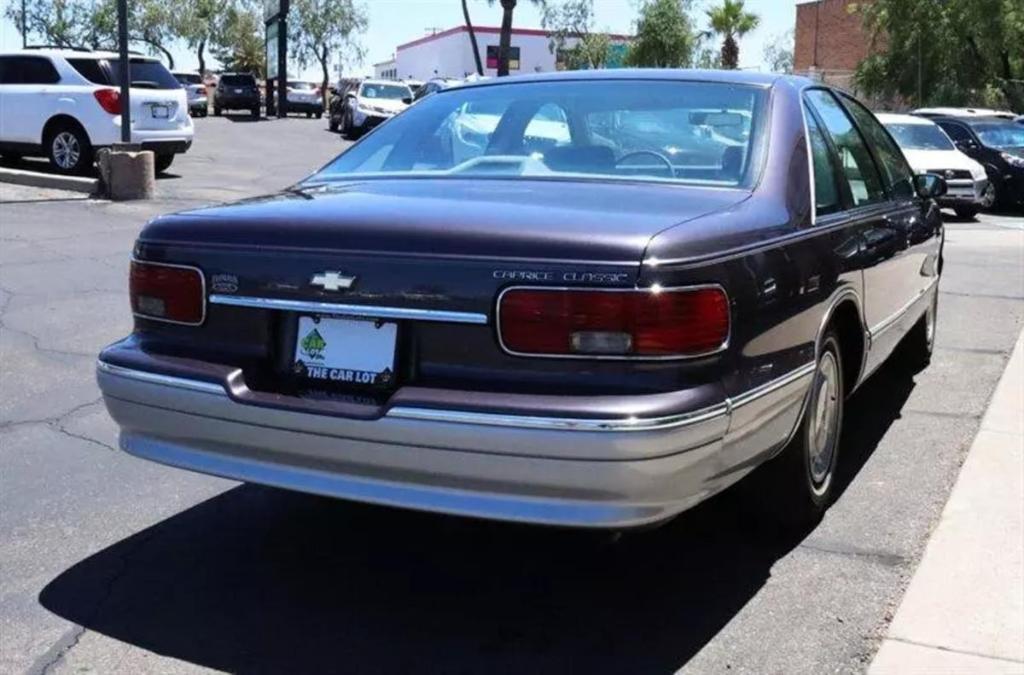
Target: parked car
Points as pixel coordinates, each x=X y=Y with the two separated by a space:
x=336 y=103
x=573 y=334
x=998 y=145
x=237 y=91
x=304 y=97
x=195 y=91
x=414 y=85
x=66 y=104
x=367 y=105
x=434 y=85
x=929 y=150
x=964 y=112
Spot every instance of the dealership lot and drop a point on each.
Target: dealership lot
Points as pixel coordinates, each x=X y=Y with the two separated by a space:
x=117 y=565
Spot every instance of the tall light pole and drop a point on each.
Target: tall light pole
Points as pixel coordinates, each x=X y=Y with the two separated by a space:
x=24 y=26
x=126 y=74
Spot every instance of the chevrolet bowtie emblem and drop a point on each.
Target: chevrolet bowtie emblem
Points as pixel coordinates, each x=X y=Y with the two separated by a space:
x=332 y=281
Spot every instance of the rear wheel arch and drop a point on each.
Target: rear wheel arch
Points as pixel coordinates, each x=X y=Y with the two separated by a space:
x=845 y=319
x=59 y=121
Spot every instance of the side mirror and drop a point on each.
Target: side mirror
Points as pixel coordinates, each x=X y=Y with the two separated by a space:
x=407 y=100
x=930 y=185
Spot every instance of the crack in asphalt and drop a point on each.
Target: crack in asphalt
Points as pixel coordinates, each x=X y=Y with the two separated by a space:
x=57 y=650
x=883 y=557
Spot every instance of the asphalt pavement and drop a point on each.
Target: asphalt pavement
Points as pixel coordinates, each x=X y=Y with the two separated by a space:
x=110 y=564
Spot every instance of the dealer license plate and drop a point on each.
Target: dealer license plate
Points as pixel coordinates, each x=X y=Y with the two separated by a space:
x=346 y=351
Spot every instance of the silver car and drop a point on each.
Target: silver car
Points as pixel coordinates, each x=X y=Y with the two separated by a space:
x=195 y=90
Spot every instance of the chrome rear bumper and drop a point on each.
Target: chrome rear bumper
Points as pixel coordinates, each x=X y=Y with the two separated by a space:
x=567 y=471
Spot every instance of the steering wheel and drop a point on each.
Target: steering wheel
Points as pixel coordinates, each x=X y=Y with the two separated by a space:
x=657 y=155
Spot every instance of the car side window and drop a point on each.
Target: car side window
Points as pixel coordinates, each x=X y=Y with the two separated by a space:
x=899 y=177
x=90 y=69
x=958 y=132
x=826 y=191
x=35 y=70
x=858 y=167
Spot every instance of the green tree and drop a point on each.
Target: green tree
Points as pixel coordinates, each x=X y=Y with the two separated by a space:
x=574 y=20
x=239 y=43
x=949 y=52
x=778 y=53
x=320 y=28
x=731 y=21
x=664 y=35
x=60 y=23
x=149 y=22
x=196 y=22
x=505 y=39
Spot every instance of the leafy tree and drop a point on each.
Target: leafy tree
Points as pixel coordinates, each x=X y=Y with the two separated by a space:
x=472 y=39
x=149 y=22
x=61 y=23
x=240 y=40
x=778 y=53
x=196 y=22
x=948 y=52
x=505 y=39
x=574 y=19
x=320 y=28
x=664 y=35
x=731 y=21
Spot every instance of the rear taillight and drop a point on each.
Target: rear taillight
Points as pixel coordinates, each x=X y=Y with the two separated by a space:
x=173 y=293
x=109 y=100
x=653 y=322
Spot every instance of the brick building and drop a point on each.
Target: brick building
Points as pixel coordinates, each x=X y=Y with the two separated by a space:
x=830 y=40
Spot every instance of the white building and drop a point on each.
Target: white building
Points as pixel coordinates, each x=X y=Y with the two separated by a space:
x=450 y=53
x=385 y=70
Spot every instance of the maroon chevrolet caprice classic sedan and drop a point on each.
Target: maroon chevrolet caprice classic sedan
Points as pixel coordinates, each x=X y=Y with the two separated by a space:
x=589 y=299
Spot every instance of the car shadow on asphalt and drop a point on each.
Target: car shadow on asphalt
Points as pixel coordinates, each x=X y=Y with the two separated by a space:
x=263 y=580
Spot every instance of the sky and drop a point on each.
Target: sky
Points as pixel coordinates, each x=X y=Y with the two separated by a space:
x=393 y=22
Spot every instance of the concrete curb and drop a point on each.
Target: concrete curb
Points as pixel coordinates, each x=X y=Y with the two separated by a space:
x=964 y=608
x=46 y=180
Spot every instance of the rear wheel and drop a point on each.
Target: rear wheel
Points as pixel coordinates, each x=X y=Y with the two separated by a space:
x=792 y=491
x=69 y=149
x=163 y=162
x=916 y=350
x=308 y=115
x=216 y=110
x=319 y=114
x=255 y=113
x=332 y=123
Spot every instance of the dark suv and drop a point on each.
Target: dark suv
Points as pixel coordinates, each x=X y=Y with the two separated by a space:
x=998 y=145
x=237 y=91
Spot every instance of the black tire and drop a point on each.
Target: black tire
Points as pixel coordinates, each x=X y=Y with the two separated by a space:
x=915 y=353
x=216 y=111
x=163 y=162
x=68 y=148
x=346 y=125
x=255 y=113
x=319 y=115
x=309 y=115
x=966 y=212
x=332 y=123
x=790 y=493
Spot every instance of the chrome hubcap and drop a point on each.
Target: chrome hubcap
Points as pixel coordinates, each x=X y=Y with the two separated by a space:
x=66 y=150
x=824 y=418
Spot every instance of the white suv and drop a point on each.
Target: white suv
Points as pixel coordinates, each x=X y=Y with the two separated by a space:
x=65 y=104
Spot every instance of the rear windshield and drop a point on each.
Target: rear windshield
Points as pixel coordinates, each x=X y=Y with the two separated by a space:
x=691 y=132
x=920 y=136
x=144 y=74
x=189 y=78
x=302 y=85
x=238 y=80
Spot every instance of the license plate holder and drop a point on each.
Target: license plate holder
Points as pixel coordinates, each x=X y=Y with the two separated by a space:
x=338 y=350
x=160 y=111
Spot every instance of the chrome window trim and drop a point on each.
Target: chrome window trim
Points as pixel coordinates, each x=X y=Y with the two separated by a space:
x=631 y=423
x=612 y=357
x=202 y=290
x=369 y=311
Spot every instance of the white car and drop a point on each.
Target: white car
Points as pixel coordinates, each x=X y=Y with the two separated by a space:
x=929 y=150
x=373 y=102
x=65 y=104
x=195 y=90
x=964 y=112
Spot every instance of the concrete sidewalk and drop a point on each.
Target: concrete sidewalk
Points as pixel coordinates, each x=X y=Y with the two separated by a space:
x=964 y=609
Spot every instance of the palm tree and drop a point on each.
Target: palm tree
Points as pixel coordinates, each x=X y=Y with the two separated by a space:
x=505 y=41
x=472 y=39
x=732 y=21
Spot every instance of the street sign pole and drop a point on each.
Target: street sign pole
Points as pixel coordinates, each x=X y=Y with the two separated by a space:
x=125 y=67
x=282 y=60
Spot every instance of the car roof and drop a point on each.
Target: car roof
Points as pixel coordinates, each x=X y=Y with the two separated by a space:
x=667 y=74
x=76 y=54
x=372 y=81
x=902 y=118
x=971 y=120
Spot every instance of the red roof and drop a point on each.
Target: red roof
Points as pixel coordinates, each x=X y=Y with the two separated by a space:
x=488 y=30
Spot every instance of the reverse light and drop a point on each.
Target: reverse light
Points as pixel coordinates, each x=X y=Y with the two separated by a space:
x=163 y=292
x=653 y=323
x=109 y=100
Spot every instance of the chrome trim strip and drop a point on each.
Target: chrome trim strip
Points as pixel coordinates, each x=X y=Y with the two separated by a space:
x=752 y=395
x=370 y=311
x=562 y=423
x=202 y=289
x=890 y=321
x=710 y=413
x=163 y=380
x=612 y=357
